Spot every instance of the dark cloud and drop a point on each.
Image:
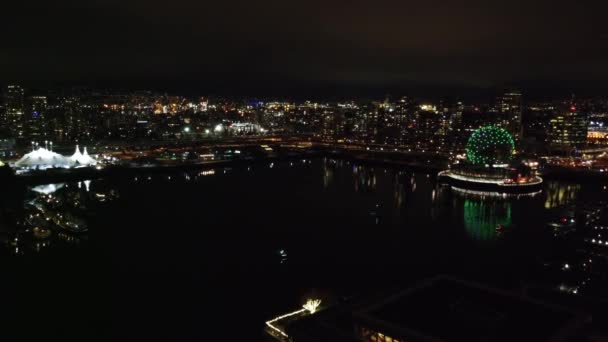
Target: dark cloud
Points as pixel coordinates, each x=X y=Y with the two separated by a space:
x=257 y=44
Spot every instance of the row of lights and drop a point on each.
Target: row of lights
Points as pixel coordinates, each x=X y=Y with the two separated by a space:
x=599 y=242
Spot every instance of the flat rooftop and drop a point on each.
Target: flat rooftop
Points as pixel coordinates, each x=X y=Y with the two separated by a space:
x=449 y=309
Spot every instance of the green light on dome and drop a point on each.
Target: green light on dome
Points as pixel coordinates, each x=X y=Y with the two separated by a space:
x=490 y=145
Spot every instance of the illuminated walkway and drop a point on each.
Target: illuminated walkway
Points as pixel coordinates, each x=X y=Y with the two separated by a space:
x=310 y=307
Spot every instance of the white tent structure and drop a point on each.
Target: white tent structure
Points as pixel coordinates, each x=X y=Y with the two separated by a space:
x=42 y=159
x=81 y=159
x=76 y=156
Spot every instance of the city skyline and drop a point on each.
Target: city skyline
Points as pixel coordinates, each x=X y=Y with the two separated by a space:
x=81 y=114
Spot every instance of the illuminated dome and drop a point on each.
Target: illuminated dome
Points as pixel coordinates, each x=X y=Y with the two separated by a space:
x=490 y=145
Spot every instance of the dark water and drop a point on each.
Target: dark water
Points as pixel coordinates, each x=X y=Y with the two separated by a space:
x=191 y=257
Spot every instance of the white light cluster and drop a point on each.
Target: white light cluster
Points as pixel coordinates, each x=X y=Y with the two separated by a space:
x=312 y=305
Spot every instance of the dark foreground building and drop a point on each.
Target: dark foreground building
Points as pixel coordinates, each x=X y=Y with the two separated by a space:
x=442 y=309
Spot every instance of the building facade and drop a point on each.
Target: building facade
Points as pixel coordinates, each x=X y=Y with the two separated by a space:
x=510 y=112
x=568 y=128
x=14 y=109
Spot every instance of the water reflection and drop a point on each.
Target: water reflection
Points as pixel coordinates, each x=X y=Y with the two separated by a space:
x=559 y=194
x=485 y=220
x=56 y=213
x=441 y=202
x=47 y=189
x=365 y=178
x=399 y=189
x=328 y=172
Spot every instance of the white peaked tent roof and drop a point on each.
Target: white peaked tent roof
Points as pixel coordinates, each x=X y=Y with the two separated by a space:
x=77 y=153
x=42 y=158
x=82 y=158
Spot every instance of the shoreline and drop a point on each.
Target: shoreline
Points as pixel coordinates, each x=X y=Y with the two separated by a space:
x=434 y=166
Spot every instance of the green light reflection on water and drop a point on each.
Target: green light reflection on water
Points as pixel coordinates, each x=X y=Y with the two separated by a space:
x=481 y=218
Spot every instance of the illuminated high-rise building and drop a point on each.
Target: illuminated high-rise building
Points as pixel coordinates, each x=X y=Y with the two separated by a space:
x=333 y=125
x=35 y=113
x=13 y=98
x=13 y=104
x=429 y=122
x=510 y=110
x=568 y=128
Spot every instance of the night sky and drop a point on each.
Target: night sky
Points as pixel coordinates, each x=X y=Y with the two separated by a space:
x=266 y=46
